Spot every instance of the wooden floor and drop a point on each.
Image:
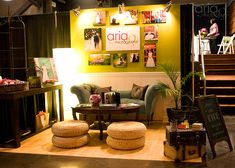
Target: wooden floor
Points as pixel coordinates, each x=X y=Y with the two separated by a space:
x=153 y=149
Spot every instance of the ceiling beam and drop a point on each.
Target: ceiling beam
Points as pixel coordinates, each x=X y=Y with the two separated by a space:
x=37 y=3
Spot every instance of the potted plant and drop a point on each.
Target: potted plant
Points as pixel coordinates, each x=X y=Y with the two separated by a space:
x=175 y=89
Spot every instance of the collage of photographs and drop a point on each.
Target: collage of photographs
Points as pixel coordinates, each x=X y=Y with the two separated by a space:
x=124 y=41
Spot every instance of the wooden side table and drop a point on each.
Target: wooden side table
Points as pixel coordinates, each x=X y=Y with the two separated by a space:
x=184 y=137
x=13 y=100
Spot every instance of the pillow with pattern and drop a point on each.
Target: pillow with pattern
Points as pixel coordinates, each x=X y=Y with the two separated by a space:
x=102 y=89
x=138 y=92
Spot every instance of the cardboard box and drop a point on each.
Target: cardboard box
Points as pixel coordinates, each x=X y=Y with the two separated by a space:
x=42 y=120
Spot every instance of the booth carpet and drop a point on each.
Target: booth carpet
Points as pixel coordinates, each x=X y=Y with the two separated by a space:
x=153 y=149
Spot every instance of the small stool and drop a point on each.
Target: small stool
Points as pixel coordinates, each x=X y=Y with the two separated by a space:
x=70 y=134
x=126 y=135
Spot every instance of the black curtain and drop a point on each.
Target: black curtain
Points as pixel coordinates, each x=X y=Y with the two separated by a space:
x=45 y=32
x=186 y=40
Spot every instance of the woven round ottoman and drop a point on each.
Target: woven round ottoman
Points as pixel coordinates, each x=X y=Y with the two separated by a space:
x=70 y=133
x=70 y=142
x=126 y=135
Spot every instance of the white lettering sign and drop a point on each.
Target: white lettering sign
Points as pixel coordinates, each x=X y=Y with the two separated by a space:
x=123 y=38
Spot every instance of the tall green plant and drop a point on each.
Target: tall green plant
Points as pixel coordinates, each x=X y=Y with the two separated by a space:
x=176 y=88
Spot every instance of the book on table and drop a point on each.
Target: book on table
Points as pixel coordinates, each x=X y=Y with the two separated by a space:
x=108 y=106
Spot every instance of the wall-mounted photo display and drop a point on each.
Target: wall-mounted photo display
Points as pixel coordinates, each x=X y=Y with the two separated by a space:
x=99 y=59
x=123 y=38
x=99 y=18
x=45 y=69
x=120 y=60
x=149 y=55
x=150 y=32
x=157 y=16
x=134 y=57
x=115 y=19
x=131 y=17
x=93 y=40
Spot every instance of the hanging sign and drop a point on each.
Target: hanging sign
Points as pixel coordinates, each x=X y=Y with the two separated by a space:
x=123 y=38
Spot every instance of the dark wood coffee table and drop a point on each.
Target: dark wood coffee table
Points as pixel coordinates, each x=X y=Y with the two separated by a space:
x=100 y=111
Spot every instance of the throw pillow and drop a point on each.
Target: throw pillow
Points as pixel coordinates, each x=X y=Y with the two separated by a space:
x=138 y=92
x=103 y=89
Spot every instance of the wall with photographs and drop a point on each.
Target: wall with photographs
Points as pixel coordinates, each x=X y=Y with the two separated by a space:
x=135 y=41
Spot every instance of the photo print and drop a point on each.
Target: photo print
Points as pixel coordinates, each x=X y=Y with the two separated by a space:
x=45 y=69
x=158 y=16
x=131 y=17
x=150 y=55
x=150 y=33
x=99 y=59
x=134 y=57
x=114 y=19
x=92 y=38
x=99 y=18
x=120 y=60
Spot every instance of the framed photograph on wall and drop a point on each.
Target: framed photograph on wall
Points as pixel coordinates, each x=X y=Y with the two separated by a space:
x=156 y=16
x=150 y=55
x=120 y=60
x=134 y=57
x=114 y=19
x=45 y=69
x=150 y=33
x=99 y=59
x=131 y=17
x=93 y=40
x=99 y=18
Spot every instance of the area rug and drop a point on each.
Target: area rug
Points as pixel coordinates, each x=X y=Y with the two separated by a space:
x=153 y=149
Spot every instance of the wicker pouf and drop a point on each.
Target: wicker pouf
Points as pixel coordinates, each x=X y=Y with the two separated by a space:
x=125 y=144
x=126 y=135
x=70 y=142
x=70 y=134
x=126 y=130
x=70 y=128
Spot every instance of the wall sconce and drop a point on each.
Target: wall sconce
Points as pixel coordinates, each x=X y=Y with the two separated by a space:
x=168 y=7
x=77 y=11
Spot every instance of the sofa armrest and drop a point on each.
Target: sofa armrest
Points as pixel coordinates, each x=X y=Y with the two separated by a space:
x=124 y=93
x=150 y=99
x=81 y=92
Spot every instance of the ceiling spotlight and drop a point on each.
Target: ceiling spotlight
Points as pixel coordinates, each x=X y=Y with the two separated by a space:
x=168 y=7
x=100 y=3
x=77 y=11
x=121 y=8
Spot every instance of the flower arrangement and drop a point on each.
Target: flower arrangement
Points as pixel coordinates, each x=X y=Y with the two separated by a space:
x=203 y=32
x=95 y=99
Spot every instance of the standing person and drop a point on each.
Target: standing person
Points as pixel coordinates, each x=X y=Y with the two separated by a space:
x=213 y=35
x=96 y=41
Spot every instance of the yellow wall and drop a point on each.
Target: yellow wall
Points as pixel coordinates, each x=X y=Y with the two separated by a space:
x=167 y=47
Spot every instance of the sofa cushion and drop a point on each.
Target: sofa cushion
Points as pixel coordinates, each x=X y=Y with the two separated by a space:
x=102 y=89
x=138 y=92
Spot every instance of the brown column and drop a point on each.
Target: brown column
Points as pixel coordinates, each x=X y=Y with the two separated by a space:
x=47 y=6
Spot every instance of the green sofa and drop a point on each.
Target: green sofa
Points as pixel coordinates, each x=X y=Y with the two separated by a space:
x=83 y=92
